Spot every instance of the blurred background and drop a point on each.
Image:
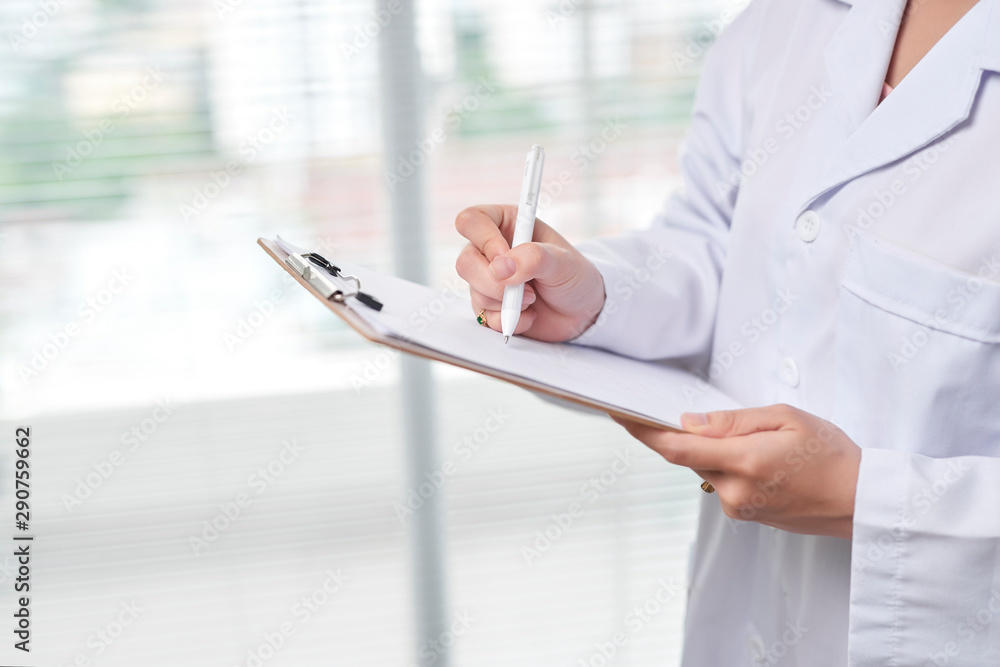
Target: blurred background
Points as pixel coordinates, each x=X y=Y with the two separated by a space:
x=222 y=472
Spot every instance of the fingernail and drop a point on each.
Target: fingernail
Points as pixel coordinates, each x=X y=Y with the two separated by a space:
x=502 y=268
x=694 y=418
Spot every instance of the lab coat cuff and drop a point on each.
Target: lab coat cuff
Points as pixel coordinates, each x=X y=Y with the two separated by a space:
x=878 y=544
x=607 y=330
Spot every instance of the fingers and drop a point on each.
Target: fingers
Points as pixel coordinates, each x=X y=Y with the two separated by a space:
x=713 y=460
x=739 y=422
x=473 y=268
x=490 y=229
x=544 y=262
x=692 y=451
x=523 y=324
x=686 y=449
x=483 y=302
x=488 y=263
x=571 y=288
x=482 y=225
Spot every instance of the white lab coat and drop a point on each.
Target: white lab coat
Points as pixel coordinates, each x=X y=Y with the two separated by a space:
x=843 y=257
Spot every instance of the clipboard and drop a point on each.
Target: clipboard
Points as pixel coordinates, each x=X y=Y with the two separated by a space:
x=589 y=378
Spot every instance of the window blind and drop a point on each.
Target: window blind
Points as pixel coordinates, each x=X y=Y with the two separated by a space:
x=160 y=138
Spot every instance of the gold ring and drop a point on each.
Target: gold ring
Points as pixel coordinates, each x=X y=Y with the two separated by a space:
x=707 y=487
x=481 y=318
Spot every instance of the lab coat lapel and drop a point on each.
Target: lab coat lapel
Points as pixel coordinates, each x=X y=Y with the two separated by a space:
x=857 y=58
x=932 y=99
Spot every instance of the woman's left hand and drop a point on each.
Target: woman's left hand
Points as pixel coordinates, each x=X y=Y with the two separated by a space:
x=776 y=465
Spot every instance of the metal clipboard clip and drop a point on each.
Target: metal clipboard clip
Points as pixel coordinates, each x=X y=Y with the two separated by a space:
x=303 y=265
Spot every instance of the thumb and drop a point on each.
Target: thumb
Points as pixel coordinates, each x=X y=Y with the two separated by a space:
x=725 y=423
x=543 y=262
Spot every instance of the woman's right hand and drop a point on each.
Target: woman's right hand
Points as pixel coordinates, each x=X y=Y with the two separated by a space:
x=564 y=293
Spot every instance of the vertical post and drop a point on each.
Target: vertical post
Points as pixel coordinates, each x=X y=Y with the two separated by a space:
x=591 y=126
x=402 y=89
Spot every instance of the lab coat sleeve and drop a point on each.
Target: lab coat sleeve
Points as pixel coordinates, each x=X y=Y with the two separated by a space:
x=925 y=582
x=662 y=283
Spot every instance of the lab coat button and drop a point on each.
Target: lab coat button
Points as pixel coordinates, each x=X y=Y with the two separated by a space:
x=790 y=371
x=807 y=226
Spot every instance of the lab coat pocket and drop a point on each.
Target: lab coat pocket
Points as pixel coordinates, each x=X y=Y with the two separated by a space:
x=918 y=352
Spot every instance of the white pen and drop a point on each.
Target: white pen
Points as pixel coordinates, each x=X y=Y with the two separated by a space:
x=524 y=228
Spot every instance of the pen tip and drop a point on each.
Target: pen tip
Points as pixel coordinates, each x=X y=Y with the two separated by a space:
x=505 y=339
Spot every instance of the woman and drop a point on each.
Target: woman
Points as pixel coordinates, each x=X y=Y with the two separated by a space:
x=838 y=239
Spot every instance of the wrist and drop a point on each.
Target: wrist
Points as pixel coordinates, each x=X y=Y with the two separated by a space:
x=592 y=314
